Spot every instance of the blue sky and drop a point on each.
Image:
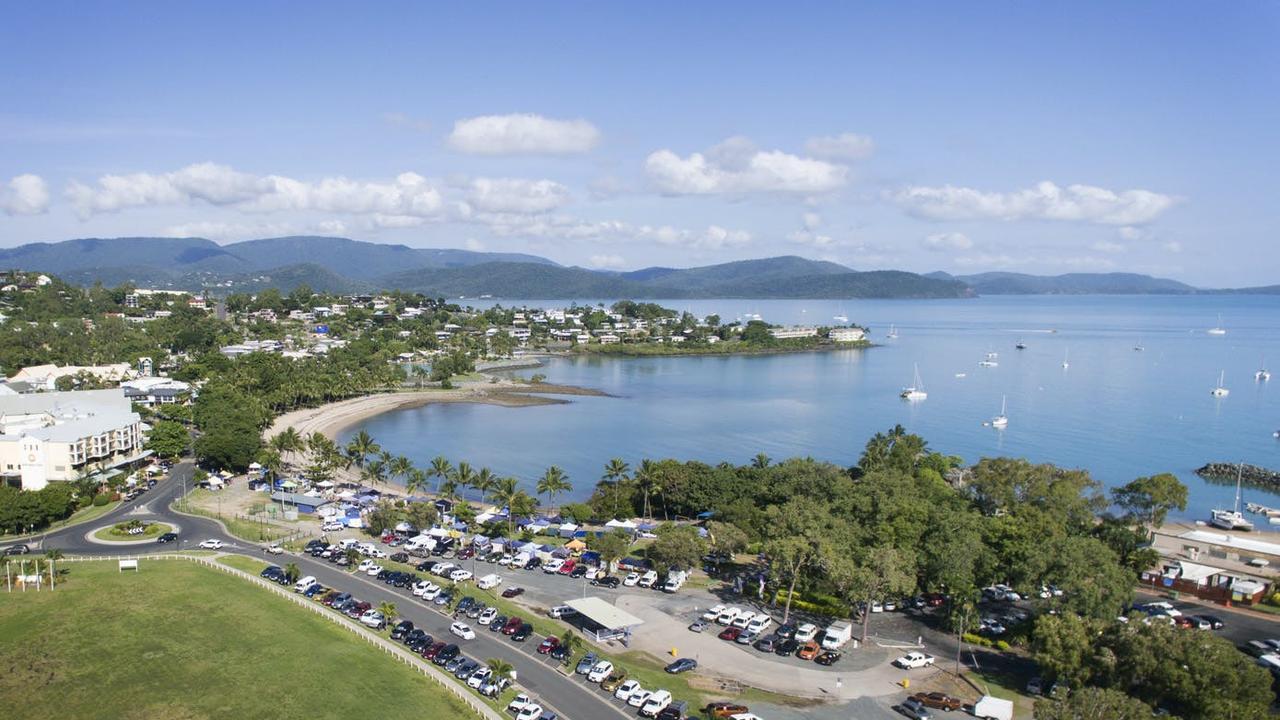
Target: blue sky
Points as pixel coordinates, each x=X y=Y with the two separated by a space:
x=919 y=136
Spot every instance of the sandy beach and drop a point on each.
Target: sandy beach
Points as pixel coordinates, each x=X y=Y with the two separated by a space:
x=331 y=419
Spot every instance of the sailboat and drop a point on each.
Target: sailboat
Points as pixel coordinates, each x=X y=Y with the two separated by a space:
x=1139 y=347
x=1066 y=355
x=1218 y=329
x=916 y=391
x=893 y=332
x=1263 y=373
x=1232 y=519
x=989 y=360
x=840 y=316
x=1001 y=420
x=1221 y=390
x=1021 y=345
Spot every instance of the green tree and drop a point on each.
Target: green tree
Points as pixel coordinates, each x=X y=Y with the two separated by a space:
x=292 y=573
x=441 y=468
x=360 y=447
x=499 y=667
x=1093 y=703
x=726 y=537
x=612 y=547
x=615 y=472
x=389 y=611
x=168 y=439
x=1148 y=500
x=795 y=536
x=872 y=575
x=677 y=547
x=1062 y=645
x=485 y=482
x=553 y=482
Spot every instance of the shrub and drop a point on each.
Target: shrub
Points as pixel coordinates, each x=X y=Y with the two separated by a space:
x=978 y=640
x=1002 y=646
x=101 y=499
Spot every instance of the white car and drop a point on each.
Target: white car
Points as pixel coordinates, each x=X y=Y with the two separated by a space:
x=373 y=569
x=211 y=545
x=913 y=660
x=627 y=689
x=505 y=560
x=728 y=615
x=759 y=623
x=479 y=678
x=365 y=565
x=487 y=616
x=274 y=549
x=373 y=619
x=656 y=703
x=639 y=697
x=421 y=587
x=460 y=575
x=552 y=566
x=380 y=554
x=462 y=630
x=713 y=612
x=430 y=593
x=519 y=702
x=600 y=671
x=806 y=632
x=631 y=579
x=648 y=579
x=745 y=617
x=332 y=526
x=532 y=711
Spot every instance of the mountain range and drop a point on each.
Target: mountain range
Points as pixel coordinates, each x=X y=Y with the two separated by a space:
x=331 y=264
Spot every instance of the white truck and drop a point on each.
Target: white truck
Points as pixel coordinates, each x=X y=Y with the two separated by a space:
x=993 y=708
x=838 y=633
x=491 y=580
x=914 y=660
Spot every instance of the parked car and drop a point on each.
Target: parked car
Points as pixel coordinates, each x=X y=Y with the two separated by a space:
x=806 y=632
x=698 y=626
x=787 y=646
x=612 y=682
x=548 y=644
x=626 y=689
x=522 y=633
x=768 y=643
x=827 y=657
x=609 y=581
x=462 y=630
x=730 y=633
x=913 y=708
x=512 y=592
x=512 y=625
x=681 y=665
x=914 y=660
x=600 y=671
x=940 y=701
x=808 y=651
x=487 y=616
x=725 y=709
x=587 y=662
x=631 y=579
x=519 y=702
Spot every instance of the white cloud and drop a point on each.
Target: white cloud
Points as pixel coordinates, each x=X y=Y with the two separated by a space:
x=1131 y=233
x=736 y=167
x=522 y=134
x=811 y=221
x=845 y=146
x=408 y=195
x=948 y=241
x=808 y=237
x=1173 y=246
x=515 y=195
x=1045 y=201
x=564 y=227
x=607 y=261
x=25 y=195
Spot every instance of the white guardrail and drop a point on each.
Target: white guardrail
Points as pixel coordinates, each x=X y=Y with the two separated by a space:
x=372 y=638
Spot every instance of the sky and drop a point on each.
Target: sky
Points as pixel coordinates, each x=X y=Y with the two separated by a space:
x=964 y=137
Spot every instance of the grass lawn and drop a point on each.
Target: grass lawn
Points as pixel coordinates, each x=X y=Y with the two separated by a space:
x=240 y=562
x=1006 y=688
x=177 y=641
x=153 y=531
x=248 y=530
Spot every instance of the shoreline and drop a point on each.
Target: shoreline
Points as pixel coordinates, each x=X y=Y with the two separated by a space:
x=331 y=419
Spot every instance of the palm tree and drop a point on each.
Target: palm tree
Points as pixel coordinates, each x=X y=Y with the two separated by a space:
x=615 y=471
x=416 y=481
x=571 y=643
x=464 y=476
x=649 y=482
x=53 y=554
x=388 y=610
x=499 y=667
x=353 y=559
x=553 y=482
x=760 y=461
x=484 y=482
x=292 y=573
x=375 y=472
x=507 y=491
x=360 y=447
x=400 y=467
x=271 y=459
x=448 y=491
x=441 y=468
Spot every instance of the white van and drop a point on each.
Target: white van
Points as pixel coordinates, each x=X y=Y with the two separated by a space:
x=656 y=703
x=348 y=543
x=304 y=583
x=728 y=615
x=489 y=581
x=675 y=580
x=648 y=579
x=552 y=566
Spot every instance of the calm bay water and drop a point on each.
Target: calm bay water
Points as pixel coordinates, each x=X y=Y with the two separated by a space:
x=1116 y=412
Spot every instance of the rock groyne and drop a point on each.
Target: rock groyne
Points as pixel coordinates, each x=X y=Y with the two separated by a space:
x=1249 y=474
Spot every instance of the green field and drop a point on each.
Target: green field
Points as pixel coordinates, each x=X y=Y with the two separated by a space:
x=177 y=641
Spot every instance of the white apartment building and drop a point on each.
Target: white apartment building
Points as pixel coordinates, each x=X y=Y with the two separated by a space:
x=793 y=332
x=847 y=334
x=51 y=437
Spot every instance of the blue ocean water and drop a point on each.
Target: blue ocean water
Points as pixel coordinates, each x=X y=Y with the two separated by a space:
x=1118 y=412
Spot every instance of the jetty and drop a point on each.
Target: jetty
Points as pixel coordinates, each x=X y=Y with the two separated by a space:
x=1250 y=474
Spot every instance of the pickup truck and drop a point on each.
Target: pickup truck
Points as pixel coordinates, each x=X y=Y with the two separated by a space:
x=913 y=660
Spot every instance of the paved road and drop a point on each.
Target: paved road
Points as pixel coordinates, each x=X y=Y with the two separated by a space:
x=571 y=697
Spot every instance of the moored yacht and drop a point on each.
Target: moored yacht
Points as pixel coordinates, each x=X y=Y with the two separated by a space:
x=1232 y=519
x=916 y=391
x=1221 y=390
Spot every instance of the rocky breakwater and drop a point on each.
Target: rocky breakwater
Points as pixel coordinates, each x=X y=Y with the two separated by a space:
x=1249 y=474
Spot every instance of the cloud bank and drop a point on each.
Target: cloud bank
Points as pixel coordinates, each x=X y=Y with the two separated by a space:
x=1045 y=201
x=522 y=134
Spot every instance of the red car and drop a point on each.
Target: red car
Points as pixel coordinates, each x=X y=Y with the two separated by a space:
x=433 y=650
x=935 y=599
x=730 y=633
x=512 y=592
x=567 y=567
x=548 y=645
x=512 y=626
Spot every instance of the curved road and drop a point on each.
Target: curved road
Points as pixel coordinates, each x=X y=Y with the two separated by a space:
x=571 y=697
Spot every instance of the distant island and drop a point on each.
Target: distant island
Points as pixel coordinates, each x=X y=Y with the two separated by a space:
x=341 y=265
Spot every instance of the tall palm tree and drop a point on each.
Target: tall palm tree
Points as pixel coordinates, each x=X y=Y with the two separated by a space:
x=400 y=467
x=360 y=447
x=448 y=490
x=292 y=573
x=416 y=481
x=615 y=471
x=375 y=472
x=499 y=667
x=553 y=482
x=484 y=482
x=572 y=643
x=353 y=559
x=441 y=468
x=507 y=491
x=649 y=482
x=388 y=610
x=464 y=476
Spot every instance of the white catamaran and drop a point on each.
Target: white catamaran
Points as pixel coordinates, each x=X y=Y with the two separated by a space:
x=1218 y=329
x=916 y=391
x=1232 y=519
x=1221 y=390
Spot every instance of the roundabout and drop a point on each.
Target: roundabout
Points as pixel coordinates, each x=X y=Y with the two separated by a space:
x=129 y=533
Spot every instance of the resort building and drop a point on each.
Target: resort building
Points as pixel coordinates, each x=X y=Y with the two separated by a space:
x=847 y=334
x=45 y=377
x=790 y=333
x=53 y=436
x=153 y=391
